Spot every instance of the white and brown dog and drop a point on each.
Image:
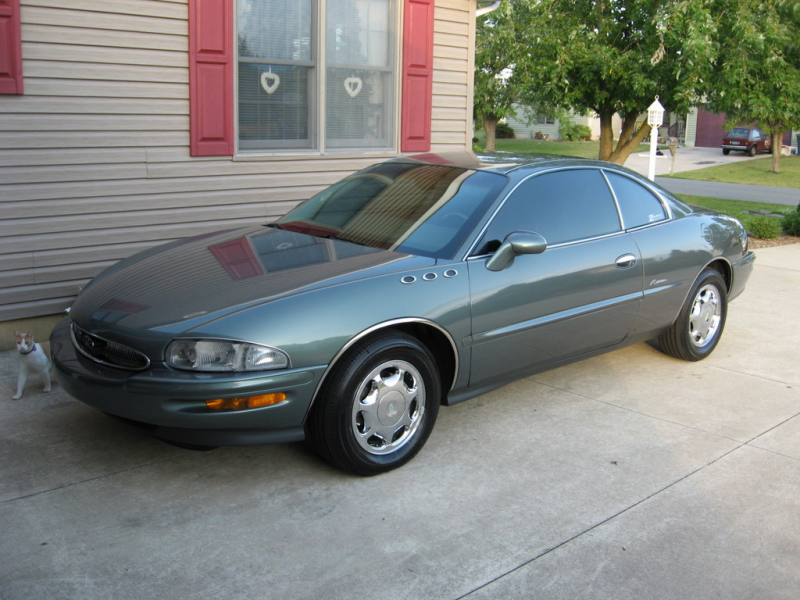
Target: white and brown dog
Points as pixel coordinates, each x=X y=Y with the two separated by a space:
x=32 y=357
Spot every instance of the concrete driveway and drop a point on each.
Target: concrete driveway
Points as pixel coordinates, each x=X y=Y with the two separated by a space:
x=628 y=476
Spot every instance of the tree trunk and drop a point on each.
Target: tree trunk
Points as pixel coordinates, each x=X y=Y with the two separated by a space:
x=606 y=134
x=490 y=127
x=629 y=139
x=777 y=144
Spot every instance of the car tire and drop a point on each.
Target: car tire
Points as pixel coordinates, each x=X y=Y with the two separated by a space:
x=378 y=406
x=751 y=151
x=726 y=151
x=698 y=328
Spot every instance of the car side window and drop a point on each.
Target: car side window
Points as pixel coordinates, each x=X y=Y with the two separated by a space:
x=562 y=206
x=756 y=135
x=639 y=206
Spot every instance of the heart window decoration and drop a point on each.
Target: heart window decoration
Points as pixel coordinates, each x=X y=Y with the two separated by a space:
x=270 y=81
x=353 y=85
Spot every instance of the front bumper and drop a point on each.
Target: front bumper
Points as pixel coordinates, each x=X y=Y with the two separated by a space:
x=170 y=404
x=741 y=273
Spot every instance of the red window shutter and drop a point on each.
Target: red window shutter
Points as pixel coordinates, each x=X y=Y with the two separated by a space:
x=415 y=129
x=10 y=48
x=211 y=77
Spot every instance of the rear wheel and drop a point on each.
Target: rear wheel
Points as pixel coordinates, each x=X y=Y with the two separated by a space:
x=726 y=151
x=378 y=407
x=699 y=325
x=752 y=150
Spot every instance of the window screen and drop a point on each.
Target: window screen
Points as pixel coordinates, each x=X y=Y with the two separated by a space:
x=276 y=74
x=283 y=97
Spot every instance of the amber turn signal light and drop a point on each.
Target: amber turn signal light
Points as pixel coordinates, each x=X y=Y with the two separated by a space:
x=245 y=402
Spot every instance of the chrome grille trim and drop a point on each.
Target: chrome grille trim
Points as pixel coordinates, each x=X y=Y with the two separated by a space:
x=107 y=352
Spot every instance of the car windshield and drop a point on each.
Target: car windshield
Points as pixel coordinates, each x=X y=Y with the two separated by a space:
x=407 y=207
x=738 y=133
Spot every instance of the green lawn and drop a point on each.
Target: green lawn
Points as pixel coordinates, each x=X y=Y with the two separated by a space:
x=570 y=149
x=754 y=172
x=735 y=208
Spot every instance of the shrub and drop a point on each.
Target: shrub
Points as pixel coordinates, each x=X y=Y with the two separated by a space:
x=504 y=131
x=765 y=228
x=791 y=222
x=572 y=132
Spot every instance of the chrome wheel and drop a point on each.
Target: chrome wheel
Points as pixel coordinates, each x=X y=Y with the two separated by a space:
x=698 y=327
x=705 y=316
x=379 y=405
x=388 y=407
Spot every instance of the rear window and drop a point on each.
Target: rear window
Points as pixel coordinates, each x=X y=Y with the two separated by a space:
x=738 y=134
x=639 y=205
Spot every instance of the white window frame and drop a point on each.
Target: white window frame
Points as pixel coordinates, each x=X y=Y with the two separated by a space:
x=317 y=101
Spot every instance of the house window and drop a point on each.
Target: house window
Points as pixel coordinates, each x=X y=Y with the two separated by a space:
x=316 y=75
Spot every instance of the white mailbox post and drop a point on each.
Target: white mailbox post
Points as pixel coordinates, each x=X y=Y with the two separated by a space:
x=655 y=116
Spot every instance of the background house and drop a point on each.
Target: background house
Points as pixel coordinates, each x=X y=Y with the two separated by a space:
x=526 y=128
x=706 y=129
x=127 y=124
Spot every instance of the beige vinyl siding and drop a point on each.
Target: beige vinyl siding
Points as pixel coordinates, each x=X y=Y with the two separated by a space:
x=453 y=63
x=94 y=158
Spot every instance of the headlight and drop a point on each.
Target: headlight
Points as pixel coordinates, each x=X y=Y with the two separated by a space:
x=221 y=355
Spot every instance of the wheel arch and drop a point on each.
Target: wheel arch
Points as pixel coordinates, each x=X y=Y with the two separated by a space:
x=435 y=338
x=724 y=268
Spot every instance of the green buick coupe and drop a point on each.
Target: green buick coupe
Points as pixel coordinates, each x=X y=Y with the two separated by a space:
x=416 y=282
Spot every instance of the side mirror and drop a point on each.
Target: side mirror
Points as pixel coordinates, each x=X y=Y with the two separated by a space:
x=515 y=244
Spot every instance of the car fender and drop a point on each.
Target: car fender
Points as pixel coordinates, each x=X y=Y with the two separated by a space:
x=316 y=327
x=412 y=325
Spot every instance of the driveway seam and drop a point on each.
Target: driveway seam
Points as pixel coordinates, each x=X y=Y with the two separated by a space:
x=82 y=481
x=603 y=522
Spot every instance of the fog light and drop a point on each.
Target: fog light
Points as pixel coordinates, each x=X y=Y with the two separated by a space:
x=245 y=402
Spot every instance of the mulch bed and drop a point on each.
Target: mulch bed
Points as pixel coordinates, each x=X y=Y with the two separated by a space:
x=783 y=240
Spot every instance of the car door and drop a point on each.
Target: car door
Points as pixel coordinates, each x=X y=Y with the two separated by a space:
x=581 y=294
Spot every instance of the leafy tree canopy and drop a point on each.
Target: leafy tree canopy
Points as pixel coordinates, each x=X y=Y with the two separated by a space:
x=614 y=56
x=757 y=73
x=495 y=94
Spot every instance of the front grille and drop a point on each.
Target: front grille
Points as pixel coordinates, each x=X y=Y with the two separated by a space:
x=107 y=352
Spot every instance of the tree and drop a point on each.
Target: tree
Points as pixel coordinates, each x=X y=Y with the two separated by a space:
x=495 y=93
x=614 y=56
x=757 y=75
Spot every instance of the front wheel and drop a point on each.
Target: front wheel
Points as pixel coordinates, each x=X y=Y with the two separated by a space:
x=699 y=325
x=378 y=407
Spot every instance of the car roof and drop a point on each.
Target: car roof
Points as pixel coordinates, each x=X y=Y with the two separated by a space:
x=506 y=162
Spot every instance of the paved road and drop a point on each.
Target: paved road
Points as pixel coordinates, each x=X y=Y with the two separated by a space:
x=630 y=476
x=690 y=159
x=733 y=191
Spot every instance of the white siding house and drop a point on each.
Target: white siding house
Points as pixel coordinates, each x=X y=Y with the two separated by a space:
x=95 y=159
x=523 y=129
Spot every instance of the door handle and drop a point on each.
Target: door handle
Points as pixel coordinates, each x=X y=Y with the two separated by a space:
x=626 y=261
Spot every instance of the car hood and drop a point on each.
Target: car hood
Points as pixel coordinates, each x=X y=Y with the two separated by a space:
x=184 y=284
